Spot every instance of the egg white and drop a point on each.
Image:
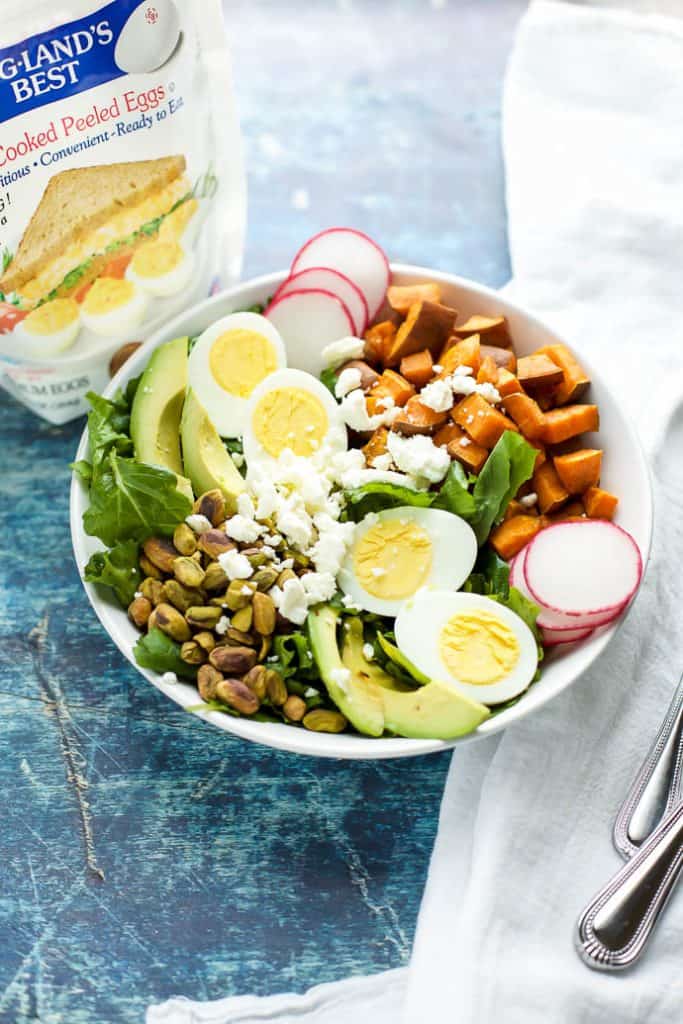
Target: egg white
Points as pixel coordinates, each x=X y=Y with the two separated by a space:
x=335 y=440
x=119 y=321
x=46 y=344
x=169 y=283
x=227 y=412
x=418 y=629
x=454 y=550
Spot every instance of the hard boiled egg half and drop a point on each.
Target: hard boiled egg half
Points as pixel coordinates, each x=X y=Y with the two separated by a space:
x=228 y=361
x=161 y=268
x=50 y=328
x=292 y=409
x=397 y=552
x=477 y=645
x=113 y=306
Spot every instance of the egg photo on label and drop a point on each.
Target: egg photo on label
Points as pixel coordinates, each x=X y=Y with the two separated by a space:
x=182 y=224
x=161 y=268
x=50 y=328
x=473 y=643
x=148 y=38
x=292 y=410
x=228 y=361
x=400 y=551
x=113 y=306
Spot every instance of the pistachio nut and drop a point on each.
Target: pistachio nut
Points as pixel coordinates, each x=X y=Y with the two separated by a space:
x=239 y=595
x=324 y=720
x=139 y=610
x=169 y=620
x=184 y=539
x=237 y=695
x=275 y=688
x=264 y=613
x=149 y=569
x=235 y=661
x=214 y=543
x=153 y=590
x=286 y=574
x=206 y=641
x=192 y=653
x=264 y=649
x=207 y=679
x=265 y=578
x=238 y=638
x=256 y=558
x=212 y=505
x=255 y=679
x=188 y=572
x=219 y=602
x=242 y=619
x=294 y=708
x=214 y=577
x=202 y=617
x=161 y=552
x=181 y=597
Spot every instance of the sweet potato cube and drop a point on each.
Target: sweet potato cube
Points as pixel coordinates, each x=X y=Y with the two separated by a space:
x=569 y=421
x=378 y=340
x=579 y=470
x=542 y=455
x=417 y=368
x=513 y=534
x=368 y=376
x=600 y=504
x=401 y=297
x=448 y=432
x=463 y=353
x=538 y=372
x=549 y=489
x=526 y=414
x=427 y=325
x=389 y=385
x=488 y=371
x=492 y=329
x=515 y=508
x=507 y=383
x=570 y=512
x=466 y=451
x=505 y=358
x=481 y=421
x=416 y=418
x=575 y=380
x=377 y=445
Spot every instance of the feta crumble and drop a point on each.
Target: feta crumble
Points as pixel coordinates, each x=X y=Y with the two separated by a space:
x=223 y=625
x=244 y=530
x=341 y=677
x=438 y=395
x=235 y=565
x=338 y=352
x=169 y=678
x=418 y=456
x=200 y=524
x=528 y=500
x=348 y=380
x=368 y=652
x=355 y=413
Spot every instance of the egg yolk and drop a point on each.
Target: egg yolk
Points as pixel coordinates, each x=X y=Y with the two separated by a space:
x=290 y=418
x=156 y=259
x=393 y=559
x=240 y=359
x=52 y=317
x=477 y=648
x=108 y=293
x=175 y=223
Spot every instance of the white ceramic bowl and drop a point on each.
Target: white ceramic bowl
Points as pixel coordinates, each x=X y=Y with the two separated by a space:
x=625 y=471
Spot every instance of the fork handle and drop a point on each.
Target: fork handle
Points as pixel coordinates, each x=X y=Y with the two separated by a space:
x=614 y=928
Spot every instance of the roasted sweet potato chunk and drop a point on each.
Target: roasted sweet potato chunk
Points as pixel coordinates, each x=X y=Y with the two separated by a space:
x=416 y=418
x=401 y=297
x=418 y=368
x=466 y=451
x=377 y=445
x=548 y=487
x=389 y=385
x=463 y=353
x=579 y=470
x=513 y=534
x=493 y=330
x=569 y=421
x=575 y=380
x=488 y=371
x=526 y=414
x=368 y=376
x=427 y=325
x=504 y=358
x=481 y=421
x=449 y=432
x=600 y=504
x=378 y=340
x=507 y=383
x=538 y=373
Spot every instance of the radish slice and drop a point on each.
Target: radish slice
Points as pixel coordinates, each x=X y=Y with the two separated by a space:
x=547 y=617
x=353 y=254
x=330 y=281
x=555 y=637
x=308 y=320
x=583 y=568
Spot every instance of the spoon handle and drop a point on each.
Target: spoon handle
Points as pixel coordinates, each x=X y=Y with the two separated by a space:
x=657 y=786
x=614 y=928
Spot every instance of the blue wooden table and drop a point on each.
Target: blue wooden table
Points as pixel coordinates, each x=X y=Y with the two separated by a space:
x=143 y=853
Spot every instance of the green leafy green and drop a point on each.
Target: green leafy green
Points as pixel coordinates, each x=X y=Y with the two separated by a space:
x=454 y=495
x=157 y=651
x=292 y=656
x=376 y=496
x=329 y=379
x=83 y=470
x=116 y=568
x=508 y=466
x=108 y=425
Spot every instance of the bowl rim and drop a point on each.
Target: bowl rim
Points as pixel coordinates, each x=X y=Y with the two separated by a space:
x=300 y=741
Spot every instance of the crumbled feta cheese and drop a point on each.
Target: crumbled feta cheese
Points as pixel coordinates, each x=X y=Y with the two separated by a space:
x=386 y=403
x=238 y=459
x=273 y=539
x=464 y=441
x=330 y=548
x=235 y=565
x=382 y=462
x=489 y=392
x=528 y=500
x=222 y=625
x=242 y=529
x=348 y=380
x=368 y=652
x=418 y=456
x=247 y=591
x=437 y=368
x=292 y=601
x=269 y=552
x=294 y=522
x=338 y=352
x=341 y=677
x=200 y=524
x=356 y=416
x=438 y=395
x=349 y=603
x=245 y=505
x=138 y=593
x=463 y=371
x=310 y=691
x=169 y=678
x=318 y=587
x=287 y=563
x=461 y=385
x=265 y=492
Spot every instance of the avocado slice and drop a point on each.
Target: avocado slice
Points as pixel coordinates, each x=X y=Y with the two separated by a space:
x=158 y=405
x=370 y=698
x=206 y=461
x=398 y=657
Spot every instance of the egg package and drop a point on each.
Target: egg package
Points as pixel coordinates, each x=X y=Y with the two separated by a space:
x=130 y=205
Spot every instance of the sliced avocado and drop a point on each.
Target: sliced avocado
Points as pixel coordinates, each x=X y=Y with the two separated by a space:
x=158 y=406
x=370 y=698
x=398 y=657
x=206 y=461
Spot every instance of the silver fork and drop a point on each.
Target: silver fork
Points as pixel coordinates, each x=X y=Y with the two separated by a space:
x=615 y=926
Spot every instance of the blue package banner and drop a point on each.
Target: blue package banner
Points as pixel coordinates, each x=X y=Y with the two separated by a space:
x=64 y=61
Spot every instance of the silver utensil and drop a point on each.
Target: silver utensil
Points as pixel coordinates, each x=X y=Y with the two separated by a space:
x=656 y=788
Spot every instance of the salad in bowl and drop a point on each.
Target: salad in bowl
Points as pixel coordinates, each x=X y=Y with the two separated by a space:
x=359 y=510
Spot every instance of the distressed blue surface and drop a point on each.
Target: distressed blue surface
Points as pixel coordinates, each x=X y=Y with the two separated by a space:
x=143 y=853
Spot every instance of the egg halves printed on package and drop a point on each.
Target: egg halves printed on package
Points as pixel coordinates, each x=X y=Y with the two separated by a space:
x=228 y=361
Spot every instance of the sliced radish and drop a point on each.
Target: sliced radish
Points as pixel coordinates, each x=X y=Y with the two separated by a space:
x=555 y=637
x=547 y=617
x=353 y=254
x=330 y=281
x=579 y=569
x=308 y=320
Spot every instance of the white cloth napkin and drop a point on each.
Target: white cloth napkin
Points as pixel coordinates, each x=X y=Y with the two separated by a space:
x=593 y=141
